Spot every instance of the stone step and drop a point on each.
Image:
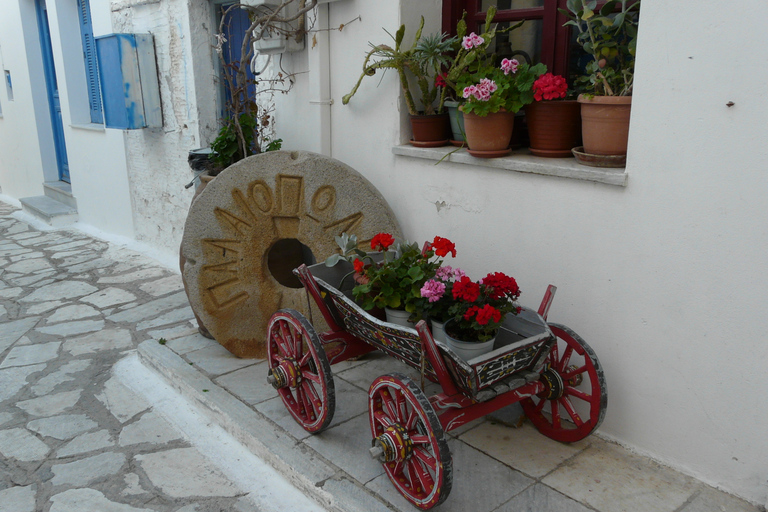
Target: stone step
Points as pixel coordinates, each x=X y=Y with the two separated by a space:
x=49 y=210
x=61 y=191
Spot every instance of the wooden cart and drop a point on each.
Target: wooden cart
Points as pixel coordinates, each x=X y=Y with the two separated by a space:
x=546 y=367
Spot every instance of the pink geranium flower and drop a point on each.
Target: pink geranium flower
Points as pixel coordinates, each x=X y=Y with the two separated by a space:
x=433 y=290
x=509 y=66
x=471 y=41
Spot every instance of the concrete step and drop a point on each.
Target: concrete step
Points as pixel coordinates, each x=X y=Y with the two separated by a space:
x=61 y=191
x=49 y=210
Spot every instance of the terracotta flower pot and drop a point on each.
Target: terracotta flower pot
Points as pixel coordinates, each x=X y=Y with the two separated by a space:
x=430 y=131
x=554 y=127
x=489 y=136
x=605 y=124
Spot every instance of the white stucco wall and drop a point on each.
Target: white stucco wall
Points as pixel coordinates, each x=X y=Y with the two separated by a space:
x=664 y=278
x=25 y=127
x=157 y=163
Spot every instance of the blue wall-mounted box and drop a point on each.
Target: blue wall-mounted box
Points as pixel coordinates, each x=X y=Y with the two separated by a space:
x=130 y=91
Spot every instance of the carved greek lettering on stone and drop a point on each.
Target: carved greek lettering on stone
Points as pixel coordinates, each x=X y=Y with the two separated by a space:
x=259 y=220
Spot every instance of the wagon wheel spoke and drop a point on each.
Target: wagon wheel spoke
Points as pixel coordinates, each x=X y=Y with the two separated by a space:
x=389 y=403
x=308 y=404
x=555 y=414
x=540 y=405
x=578 y=394
x=411 y=421
x=382 y=419
x=298 y=345
x=563 y=364
x=305 y=359
x=286 y=339
x=573 y=373
x=420 y=439
x=568 y=406
x=426 y=457
x=423 y=478
x=311 y=394
x=306 y=374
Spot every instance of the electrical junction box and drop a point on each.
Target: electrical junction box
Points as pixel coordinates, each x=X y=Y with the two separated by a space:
x=130 y=91
x=276 y=42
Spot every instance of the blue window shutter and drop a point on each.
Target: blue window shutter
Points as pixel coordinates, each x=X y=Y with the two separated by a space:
x=91 y=65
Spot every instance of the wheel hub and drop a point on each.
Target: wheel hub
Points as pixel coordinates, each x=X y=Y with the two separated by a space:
x=287 y=373
x=394 y=444
x=554 y=384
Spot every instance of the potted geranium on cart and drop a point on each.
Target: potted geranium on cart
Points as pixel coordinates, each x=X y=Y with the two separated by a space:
x=394 y=282
x=478 y=312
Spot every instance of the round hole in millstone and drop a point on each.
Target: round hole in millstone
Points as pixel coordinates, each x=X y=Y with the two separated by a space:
x=286 y=255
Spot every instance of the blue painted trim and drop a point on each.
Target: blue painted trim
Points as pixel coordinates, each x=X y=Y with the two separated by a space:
x=51 y=85
x=91 y=63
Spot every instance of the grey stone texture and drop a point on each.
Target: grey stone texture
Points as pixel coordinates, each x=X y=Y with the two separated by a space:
x=73 y=438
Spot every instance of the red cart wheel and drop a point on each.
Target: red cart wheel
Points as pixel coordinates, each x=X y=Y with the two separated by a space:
x=409 y=440
x=300 y=371
x=576 y=397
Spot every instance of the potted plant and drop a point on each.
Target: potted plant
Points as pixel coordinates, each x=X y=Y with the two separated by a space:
x=423 y=60
x=609 y=37
x=437 y=299
x=492 y=92
x=477 y=312
x=554 y=122
x=395 y=282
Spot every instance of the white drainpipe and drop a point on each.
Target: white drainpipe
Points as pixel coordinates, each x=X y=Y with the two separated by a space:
x=320 y=77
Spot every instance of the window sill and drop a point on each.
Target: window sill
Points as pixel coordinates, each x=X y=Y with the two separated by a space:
x=522 y=161
x=91 y=127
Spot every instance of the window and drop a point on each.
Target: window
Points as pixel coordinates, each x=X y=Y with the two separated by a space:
x=91 y=65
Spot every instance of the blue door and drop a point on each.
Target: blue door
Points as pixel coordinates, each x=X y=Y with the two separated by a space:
x=54 y=102
x=235 y=26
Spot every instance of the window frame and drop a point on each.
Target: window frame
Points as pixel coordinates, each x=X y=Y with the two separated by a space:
x=556 y=38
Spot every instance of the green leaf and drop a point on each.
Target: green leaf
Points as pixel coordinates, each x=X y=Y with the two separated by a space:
x=415 y=273
x=588 y=13
x=393 y=301
x=608 y=8
x=332 y=260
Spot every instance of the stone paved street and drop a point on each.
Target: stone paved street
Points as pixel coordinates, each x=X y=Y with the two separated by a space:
x=74 y=437
x=100 y=360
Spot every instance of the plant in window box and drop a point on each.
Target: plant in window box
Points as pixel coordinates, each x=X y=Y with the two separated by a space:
x=554 y=122
x=478 y=311
x=423 y=60
x=609 y=37
x=395 y=282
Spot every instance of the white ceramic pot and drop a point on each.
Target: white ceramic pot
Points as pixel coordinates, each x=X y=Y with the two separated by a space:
x=438 y=331
x=469 y=350
x=399 y=317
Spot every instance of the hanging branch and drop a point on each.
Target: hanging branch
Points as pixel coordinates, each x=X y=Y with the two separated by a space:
x=264 y=20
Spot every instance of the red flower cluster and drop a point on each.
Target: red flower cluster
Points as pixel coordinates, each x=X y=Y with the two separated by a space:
x=443 y=246
x=501 y=285
x=484 y=314
x=466 y=289
x=440 y=80
x=382 y=241
x=359 y=266
x=549 y=87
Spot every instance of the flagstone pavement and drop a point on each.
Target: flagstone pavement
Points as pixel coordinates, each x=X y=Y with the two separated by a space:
x=74 y=437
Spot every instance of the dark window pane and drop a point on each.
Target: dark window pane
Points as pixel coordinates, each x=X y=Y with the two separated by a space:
x=523 y=43
x=511 y=4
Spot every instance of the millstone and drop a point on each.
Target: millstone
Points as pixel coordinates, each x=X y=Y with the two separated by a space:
x=257 y=221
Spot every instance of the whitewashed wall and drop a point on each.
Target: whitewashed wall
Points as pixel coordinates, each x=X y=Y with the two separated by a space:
x=665 y=278
x=157 y=163
x=24 y=129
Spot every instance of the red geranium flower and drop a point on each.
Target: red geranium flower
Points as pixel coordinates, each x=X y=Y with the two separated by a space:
x=359 y=266
x=471 y=312
x=488 y=313
x=440 y=80
x=443 y=246
x=382 y=241
x=549 y=87
x=501 y=285
x=466 y=290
